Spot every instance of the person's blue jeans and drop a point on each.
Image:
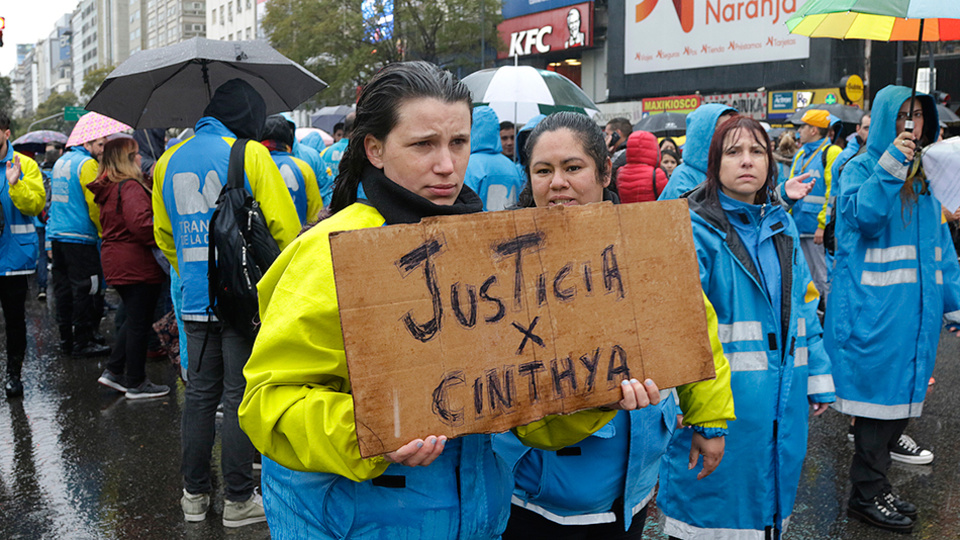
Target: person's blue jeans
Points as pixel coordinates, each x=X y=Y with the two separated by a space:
x=214 y=376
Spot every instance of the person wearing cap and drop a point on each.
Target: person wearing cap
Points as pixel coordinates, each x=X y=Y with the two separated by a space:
x=73 y=230
x=815 y=156
x=278 y=137
x=186 y=183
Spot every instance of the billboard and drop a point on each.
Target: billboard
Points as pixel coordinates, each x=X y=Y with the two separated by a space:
x=519 y=8
x=752 y=104
x=687 y=34
x=555 y=30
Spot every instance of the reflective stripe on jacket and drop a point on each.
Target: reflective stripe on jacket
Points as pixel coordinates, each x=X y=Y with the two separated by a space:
x=19 y=241
x=74 y=217
x=186 y=183
x=778 y=364
x=896 y=276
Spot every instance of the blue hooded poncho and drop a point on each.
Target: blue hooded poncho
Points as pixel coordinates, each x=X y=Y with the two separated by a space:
x=896 y=276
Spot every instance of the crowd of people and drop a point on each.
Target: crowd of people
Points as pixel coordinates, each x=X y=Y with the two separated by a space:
x=722 y=457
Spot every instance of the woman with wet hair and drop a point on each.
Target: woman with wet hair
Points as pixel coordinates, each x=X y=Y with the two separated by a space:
x=600 y=487
x=405 y=161
x=753 y=272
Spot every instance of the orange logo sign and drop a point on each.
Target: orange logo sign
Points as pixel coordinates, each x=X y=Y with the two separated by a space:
x=684 y=12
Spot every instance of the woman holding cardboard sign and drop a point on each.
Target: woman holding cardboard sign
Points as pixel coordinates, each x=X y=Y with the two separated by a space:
x=600 y=487
x=408 y=153
x=753 y=271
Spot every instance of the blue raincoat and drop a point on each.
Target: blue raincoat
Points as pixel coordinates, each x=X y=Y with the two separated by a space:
x=74 y=217
x=701 y=124
x=490 y=173
x=330 y=168
x=813 y=211
x=302 y=185
x=754 y=273
x=18 y=239
x=579 y=485
x=896 y=276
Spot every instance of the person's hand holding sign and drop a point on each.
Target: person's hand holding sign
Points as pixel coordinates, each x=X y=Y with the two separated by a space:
x=637 y=395
x=418 y=452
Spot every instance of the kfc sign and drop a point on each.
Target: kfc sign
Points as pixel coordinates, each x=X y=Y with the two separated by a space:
x=540 y=33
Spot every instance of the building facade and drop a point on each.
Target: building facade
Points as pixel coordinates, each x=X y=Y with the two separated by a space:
x=232 y=20
x=173 y=21
x=85 y=41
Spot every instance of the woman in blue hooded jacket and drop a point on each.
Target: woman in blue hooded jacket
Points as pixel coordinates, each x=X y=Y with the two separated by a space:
x=895 y=279
x=754 y=273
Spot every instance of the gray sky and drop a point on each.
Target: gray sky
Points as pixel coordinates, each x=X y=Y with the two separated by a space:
x=28 y=21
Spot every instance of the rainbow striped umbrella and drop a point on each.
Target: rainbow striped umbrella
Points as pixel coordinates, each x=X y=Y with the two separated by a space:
x=879 y=20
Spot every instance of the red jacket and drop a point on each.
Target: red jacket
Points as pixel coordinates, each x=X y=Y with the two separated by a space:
x=635 y=180
x=127 y=250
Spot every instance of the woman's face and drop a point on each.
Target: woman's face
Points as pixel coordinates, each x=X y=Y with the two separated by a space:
x=427 y=151
x=665 y=144
x=668 y=163
x=903 y=115
x=561 y=171
x=743 y=165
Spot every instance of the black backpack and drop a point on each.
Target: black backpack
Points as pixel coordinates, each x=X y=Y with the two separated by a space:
x=241 y=249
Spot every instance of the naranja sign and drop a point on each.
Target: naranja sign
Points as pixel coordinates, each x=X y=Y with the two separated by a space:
x=479 y=323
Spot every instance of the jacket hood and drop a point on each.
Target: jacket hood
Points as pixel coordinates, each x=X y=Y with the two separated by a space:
x=701 y=124
x=485 y=133
x=883 y=118
x=642 y=148
x=101 y=189
x=522 y=136
x=314 y=140
x=239 y=108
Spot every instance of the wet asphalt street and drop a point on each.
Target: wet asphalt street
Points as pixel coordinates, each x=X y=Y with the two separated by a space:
x=78 y=461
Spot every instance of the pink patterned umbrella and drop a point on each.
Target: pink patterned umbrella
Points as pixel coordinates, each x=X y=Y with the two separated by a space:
x=92 y=126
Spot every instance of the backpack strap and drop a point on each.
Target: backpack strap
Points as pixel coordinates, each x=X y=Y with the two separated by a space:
x=235 y=170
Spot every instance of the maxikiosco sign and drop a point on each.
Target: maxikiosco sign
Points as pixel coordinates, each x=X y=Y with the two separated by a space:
x=685 y=34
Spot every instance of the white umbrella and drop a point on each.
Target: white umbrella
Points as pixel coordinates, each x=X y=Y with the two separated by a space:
x=518 y=93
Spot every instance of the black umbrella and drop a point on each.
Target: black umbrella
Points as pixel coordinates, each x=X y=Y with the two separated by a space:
x=848 y=114
x=327 y=117
x=667 y=124
x=171 y=86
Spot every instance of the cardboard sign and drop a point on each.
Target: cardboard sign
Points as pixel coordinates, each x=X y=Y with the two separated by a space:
x=483 y=322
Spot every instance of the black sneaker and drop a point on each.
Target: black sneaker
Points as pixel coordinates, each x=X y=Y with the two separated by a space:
x=900 y=505
x=111 y=380
x=147 y=390
x=908 y=451
x=13 y=388
x=89 y=350
x=850 y=436
x=876 y=512
x=42 y=296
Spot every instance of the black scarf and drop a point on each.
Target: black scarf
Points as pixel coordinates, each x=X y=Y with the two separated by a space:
x=399 y=205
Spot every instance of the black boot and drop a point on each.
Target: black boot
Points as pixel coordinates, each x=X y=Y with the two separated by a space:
x=878 y=513
x=906 y=508
x=13 y=388
x=86 y=347
x=66 y=339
